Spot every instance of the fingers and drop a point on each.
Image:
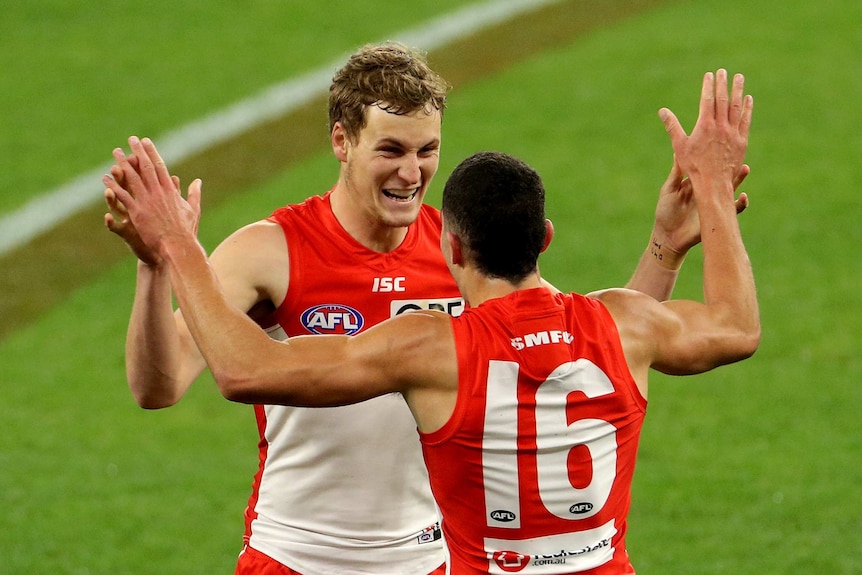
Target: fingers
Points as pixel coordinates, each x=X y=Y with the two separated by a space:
x=721 y=102
x=128 y=180
x=161 y=168
x=707 y=97
x=116 y=206
x=745 y=120
x=735 y=113
x=741 y=203
x=116 y=219
x=742 y=200
x=194 y=196
x=142 y=170
x=110 y=222
x=115 y=194
x=117 y=174
x=672 y=126
x=741 y=106
x=740 y=176
x=146 y=164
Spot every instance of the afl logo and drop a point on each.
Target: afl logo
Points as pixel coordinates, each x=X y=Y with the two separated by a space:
x=581 y=508
x=332 y=319
x=502 y=515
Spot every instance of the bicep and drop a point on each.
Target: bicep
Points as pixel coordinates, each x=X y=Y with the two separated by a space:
x=252 y=266
x=693 y=338
x=677 y=337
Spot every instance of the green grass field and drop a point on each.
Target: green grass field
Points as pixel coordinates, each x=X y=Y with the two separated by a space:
x=753 y=468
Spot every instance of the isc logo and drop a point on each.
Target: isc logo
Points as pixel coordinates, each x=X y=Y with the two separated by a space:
x=332 y=319
x=383 y=285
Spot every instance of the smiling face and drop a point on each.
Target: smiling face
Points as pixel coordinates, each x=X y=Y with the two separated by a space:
x=385 y=174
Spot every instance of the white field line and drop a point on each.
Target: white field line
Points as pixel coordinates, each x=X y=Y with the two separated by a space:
x=45 y=211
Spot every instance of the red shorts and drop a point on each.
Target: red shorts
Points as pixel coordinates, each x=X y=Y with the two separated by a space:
x=253 y=562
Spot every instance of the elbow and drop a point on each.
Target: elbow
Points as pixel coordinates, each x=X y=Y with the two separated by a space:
x=234 y=385
x=150 y=399
x=750 y=341
x=743 y=332
x=750 y=334
x=746 y=340
x=154 y=392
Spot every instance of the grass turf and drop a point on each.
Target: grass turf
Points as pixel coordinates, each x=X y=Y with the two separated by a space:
x=752 y=468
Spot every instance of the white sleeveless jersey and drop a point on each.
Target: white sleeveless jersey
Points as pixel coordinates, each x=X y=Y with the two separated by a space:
x=344 y=490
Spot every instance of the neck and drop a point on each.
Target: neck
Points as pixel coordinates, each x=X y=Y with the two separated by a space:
x=478 y=288
x=363 y=227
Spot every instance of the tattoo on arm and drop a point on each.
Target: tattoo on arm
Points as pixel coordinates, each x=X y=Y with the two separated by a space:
x=655 y=250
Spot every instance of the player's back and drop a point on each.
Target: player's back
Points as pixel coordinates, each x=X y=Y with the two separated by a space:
x=533 y=471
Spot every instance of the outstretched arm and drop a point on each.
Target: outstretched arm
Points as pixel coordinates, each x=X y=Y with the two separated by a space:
x=161 y=359
x=727 y=325
x=686 y=337
x=252 y=267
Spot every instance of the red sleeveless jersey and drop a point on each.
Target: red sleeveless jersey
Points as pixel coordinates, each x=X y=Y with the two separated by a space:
x=338 y=285
x=533 y=471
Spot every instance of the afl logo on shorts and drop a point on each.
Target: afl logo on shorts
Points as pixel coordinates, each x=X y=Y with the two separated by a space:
x=332 y=319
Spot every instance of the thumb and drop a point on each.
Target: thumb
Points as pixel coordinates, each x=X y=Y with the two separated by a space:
x=672 y=126
x=674 y=177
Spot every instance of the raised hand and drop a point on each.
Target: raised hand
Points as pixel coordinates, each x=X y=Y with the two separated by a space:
x=719 y=139
x=117 y=218
x=146 y=205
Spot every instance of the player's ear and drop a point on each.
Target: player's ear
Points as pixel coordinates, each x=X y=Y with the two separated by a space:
x=339 y=141
x=455 y=248
x=549 y=234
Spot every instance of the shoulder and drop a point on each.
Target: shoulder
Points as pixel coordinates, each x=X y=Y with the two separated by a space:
x=316 y=202
x=430 y=213
x=252 y=263
x=261 y=236
x=620 y=301
x=637 y=316
x=431 y=210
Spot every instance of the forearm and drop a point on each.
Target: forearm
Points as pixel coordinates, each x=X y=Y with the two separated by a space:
x=657 y=270
x=230 y=342
x=728 y=280
x=153 y=347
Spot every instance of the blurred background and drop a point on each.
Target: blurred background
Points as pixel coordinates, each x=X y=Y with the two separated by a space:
x=751 y=468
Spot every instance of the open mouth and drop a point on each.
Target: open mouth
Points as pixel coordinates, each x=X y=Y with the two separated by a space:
x=401 y=195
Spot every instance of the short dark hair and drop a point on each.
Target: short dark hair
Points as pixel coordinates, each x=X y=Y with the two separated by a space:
x=391 y=75
x=496 y=204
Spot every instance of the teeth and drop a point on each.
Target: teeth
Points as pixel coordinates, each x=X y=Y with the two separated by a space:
x=397 y=196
